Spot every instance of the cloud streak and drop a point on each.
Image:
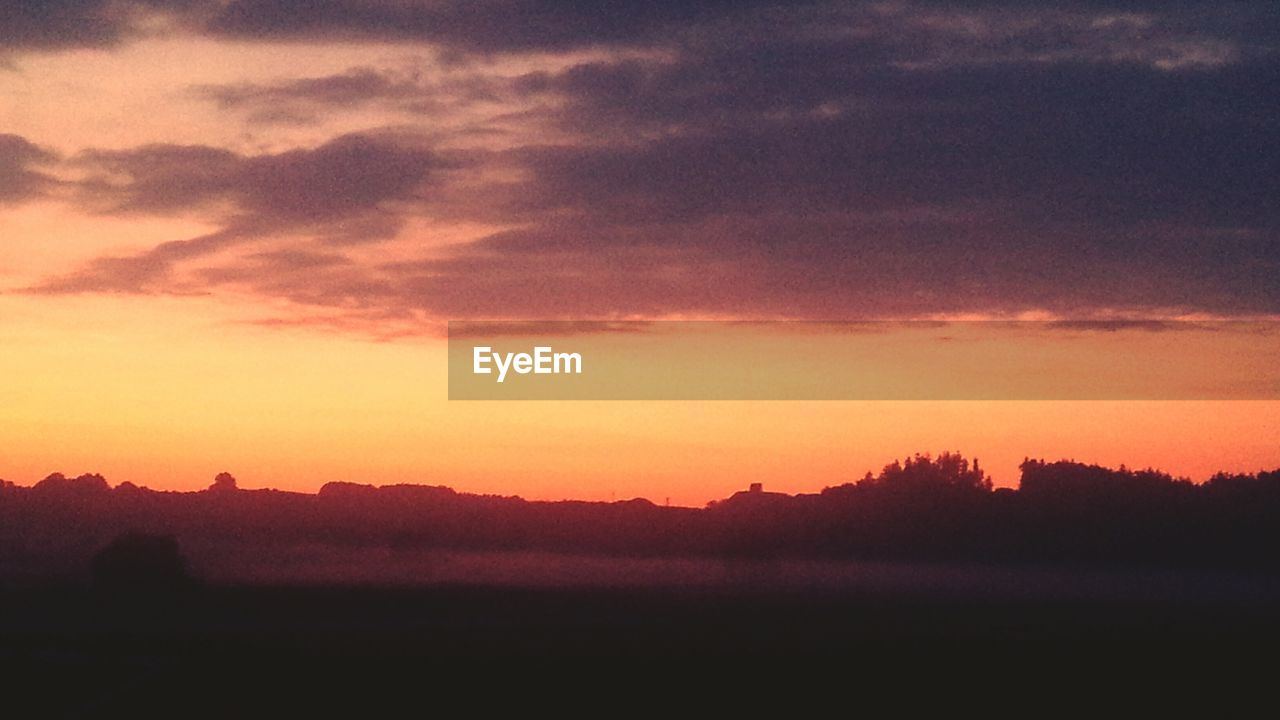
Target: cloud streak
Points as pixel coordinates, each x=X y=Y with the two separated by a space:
x=22 y=169
x=354 y=189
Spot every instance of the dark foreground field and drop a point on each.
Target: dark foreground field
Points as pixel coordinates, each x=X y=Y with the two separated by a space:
x=419 y=600
x=223 y=650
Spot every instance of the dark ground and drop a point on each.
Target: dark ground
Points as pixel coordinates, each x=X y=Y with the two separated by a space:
x=225 y=651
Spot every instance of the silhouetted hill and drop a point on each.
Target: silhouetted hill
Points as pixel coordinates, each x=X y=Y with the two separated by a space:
x=924 y=508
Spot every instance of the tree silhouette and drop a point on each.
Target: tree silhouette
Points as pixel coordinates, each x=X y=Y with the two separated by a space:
x=923 y=472
x=223 y=482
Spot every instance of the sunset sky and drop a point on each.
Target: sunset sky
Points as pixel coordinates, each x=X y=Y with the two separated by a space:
x=231 y=233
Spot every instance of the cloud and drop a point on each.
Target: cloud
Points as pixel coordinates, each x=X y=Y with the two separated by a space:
x=147 y=272
x=841 y=267
x=826 y=161
x=487 y=329
x=1166 y=35
x=1071 y=142
x=351 y=190
x=464 y=26
x=351 y=176
x=354 y=87
x=62 y=23
x=486 y=26
x=19 y=177
x=311 y=99
x=919 y=34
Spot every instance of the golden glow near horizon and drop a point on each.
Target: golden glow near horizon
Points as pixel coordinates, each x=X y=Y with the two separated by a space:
x=167 y=390
x=140 y=391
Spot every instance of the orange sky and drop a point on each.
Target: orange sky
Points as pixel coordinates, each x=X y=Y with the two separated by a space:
x=165 y=389
x=166 y=393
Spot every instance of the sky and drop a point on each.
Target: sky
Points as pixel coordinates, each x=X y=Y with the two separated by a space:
x=231 y=232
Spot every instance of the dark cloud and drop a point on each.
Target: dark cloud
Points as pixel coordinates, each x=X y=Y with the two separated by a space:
x=899 y=264
x=831 y=177
x=470 y=26
x=354 y=87
x=349 y=178
x=354 y=189
x=825 y=161
x=1075 y=142
x=20 y=175
x=62 y=23
x=308 y=100
x=1163 y=33
x=1172 y=34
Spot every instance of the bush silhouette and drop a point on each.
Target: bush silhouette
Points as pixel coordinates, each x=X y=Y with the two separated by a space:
x=139 y=560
